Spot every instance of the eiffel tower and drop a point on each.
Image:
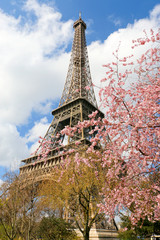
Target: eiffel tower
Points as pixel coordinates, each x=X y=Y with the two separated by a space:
x=77 y=102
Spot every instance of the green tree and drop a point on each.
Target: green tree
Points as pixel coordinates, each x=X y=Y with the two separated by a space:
x=74 y=189
x=2 y=233
x=9 y=206
x=142 y=230
x=51 y=228
x=18 y=208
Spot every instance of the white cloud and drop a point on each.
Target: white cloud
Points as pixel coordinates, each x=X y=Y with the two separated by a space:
x=155 y=13
x=39 y=129
x=29 y=78
x=34 y=67
x=100 y=53
x=115 y=20
x=12 y=146
x=25 y=70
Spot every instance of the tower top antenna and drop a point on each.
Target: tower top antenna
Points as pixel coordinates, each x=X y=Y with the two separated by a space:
x=80 y=15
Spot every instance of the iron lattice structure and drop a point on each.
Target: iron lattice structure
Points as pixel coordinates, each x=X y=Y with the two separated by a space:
x=78 y=98
x=77 y=102
x=78 y=77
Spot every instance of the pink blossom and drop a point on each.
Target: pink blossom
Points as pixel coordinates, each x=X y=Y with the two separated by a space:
x=142 y=42
x=87 y=88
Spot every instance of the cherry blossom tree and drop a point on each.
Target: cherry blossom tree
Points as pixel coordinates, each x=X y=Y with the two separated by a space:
x=127 y=141
x=132 y=127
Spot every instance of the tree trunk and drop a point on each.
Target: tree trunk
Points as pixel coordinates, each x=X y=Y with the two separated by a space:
x=86 y=234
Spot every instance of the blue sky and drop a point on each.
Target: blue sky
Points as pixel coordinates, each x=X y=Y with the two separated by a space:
x=104 y=16
x=35 y=44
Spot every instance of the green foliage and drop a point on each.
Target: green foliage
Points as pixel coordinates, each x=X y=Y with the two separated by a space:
x=127 y=235
x=2 y=233
x=141 y=231
x=76 y=192
x=19 y=209
x=51 y=228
